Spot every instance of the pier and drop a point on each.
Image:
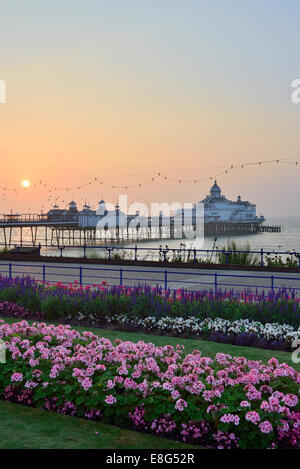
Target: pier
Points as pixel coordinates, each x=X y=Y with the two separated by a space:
x=270 y=229
x=38 y=228
x=239 y=228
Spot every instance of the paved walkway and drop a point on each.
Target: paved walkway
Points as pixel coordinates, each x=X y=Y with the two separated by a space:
x=131 y=275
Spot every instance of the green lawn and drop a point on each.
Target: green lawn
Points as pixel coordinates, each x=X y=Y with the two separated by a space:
x=23 y=427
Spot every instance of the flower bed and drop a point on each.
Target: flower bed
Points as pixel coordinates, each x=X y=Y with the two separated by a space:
x=240 y=332
x=66 y=301
x=228 y=402
x=228 y=317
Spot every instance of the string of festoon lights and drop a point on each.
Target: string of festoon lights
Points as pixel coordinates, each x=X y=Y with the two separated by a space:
x=153 y=177
x=230 y=169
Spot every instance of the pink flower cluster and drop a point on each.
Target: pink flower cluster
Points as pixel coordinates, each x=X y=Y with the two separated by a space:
x=214 y=402
x=265 y=427
x=110 y=399
x=253 y=417
x=230 y=418
x=16 y=377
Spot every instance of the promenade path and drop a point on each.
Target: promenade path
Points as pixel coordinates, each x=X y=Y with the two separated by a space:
x=190 y=279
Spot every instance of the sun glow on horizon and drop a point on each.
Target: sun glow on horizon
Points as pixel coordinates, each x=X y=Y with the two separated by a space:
x=25 y=183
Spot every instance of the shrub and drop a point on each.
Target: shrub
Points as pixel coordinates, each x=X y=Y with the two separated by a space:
x=278 y=261
x=232 y=255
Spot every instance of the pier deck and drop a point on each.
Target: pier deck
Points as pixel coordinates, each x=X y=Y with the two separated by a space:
x=39 y=229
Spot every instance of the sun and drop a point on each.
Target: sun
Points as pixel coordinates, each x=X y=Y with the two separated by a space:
x=25 y=183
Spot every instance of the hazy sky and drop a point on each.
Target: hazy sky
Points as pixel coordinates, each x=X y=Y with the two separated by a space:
x=126 y=88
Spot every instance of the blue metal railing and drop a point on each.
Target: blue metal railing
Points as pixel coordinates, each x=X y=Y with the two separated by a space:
x=86 y=275
x=164 y=253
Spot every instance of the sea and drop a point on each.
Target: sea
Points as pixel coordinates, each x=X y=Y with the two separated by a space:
x=287 y=240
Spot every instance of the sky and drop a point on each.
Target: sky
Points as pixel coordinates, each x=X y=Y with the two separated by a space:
x=123 y=90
